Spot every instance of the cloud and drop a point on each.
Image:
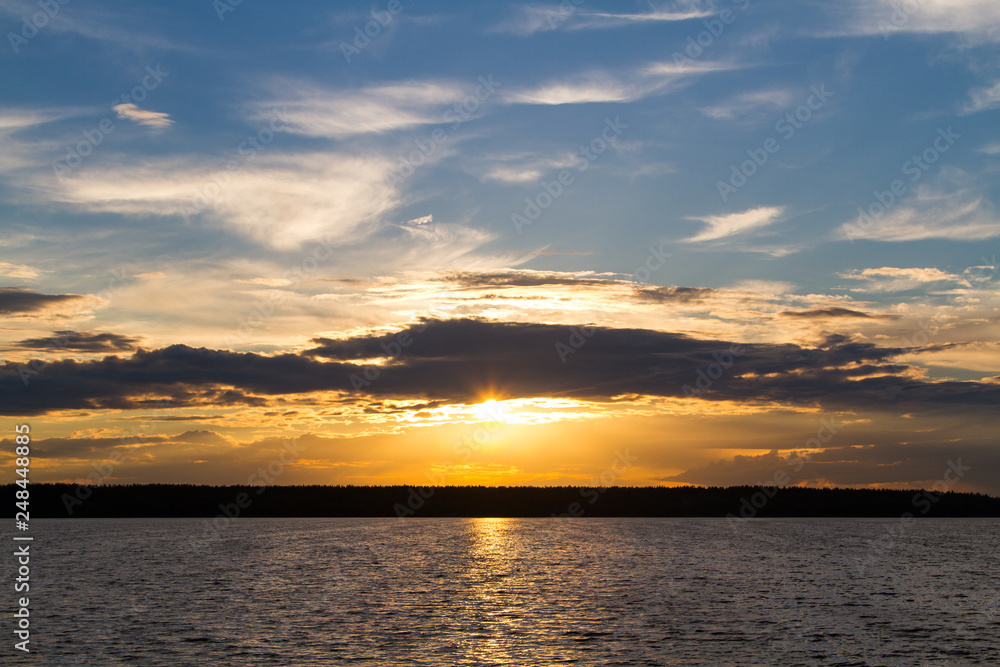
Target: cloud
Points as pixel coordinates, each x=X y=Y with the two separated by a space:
x=893 y=279
x=423 y=220
x=533 y=19
x=522 y=278
x=16 y=150
x=723 y=226
x=889 y=463
x=833 y=312
x=978 y=19
x=81 y=341
x=129 y=31
x=776 y=287
x=745 y=104
x=279 y=200
x=598 y=20
x=463 y=360
x=599 y=86
x=984 y=98
x=15 y=300
x=596 y=87
x=139 y=116
x=18 y=270
x=338 y=114
x=941 y=211
x=523 y=168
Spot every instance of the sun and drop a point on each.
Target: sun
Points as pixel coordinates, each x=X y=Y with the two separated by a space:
x=491 y=411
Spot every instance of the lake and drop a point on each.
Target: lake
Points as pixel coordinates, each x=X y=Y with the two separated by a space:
x=515 y=592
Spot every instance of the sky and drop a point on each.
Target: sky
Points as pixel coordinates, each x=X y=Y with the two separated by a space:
x=694 y=242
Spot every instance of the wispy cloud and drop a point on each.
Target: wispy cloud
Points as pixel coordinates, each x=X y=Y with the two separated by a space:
x=984 y=98
x=601 y=86
x=895 y=279
x=723 y=226
x=958 y=216
x=18 y=270
x=974 y=18
x=522 y=168
x=139 y=116
x=281 y=201
x=533 y=19
x=743 y=105
x=337 y=114
x=98 y=23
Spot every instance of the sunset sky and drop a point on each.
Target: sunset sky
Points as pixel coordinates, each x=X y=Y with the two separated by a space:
x=499 y=243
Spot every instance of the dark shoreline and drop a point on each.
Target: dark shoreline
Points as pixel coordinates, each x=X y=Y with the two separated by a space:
x=189 y=500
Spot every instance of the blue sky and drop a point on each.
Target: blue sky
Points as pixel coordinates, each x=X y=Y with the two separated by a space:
x=257 y=138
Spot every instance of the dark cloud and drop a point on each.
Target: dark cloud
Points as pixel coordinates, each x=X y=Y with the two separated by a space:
x=825 y=313
x=889 y=463
x=465 y=360
x=81 y=341
x=518 y=279
x=673 y=294
x=21 y=300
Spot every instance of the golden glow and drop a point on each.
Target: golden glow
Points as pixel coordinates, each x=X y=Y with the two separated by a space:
x=491 y=411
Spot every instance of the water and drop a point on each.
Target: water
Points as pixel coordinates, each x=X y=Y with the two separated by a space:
x=515 y=592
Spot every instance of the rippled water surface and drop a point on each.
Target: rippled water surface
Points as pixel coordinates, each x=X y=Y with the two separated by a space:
x=516 y=592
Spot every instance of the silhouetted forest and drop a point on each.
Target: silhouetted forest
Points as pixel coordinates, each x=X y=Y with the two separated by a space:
x=185 y=500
